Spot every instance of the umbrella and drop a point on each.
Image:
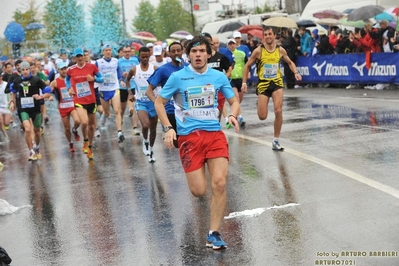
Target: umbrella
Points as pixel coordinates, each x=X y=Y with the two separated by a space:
x=145 y=35
x=256 y=33
x=386 y=16
x=246 y=28
x=393 y=10
x=136 y=45
x=365 y=12
x=306 y=23
x=280 y=22
x=34 y=26
x=328 y=21
x=231 y=26
x=357 y=24
x=348 y=11
x=181 y=34
x=14 y=32
x=328 y=14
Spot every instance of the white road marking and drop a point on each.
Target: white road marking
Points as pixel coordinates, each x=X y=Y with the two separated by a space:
x=257 y=211
x=362 y=179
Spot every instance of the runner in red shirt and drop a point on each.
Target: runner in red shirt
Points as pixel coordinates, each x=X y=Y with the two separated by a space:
x=66 y=105
x=80 y=80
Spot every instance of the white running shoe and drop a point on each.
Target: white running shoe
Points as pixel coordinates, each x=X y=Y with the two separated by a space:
x=97 y=133
x=151 y=158
x=136 y=132
x=146 y=148
x=103 y=118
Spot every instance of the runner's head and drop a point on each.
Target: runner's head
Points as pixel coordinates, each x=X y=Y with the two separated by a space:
x=176 y=52
x=62 y=68
x=196 y=41
x=144 y=55
x=269 y=34
x=80 y=58
x=107 y=51
x=25 y=69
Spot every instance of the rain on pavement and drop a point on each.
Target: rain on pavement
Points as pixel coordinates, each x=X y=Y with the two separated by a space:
x=330 y=197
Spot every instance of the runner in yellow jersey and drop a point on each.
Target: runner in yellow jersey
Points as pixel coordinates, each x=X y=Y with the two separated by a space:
x=267 y=57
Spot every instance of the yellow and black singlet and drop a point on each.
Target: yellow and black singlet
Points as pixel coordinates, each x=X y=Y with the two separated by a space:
x=268 y=67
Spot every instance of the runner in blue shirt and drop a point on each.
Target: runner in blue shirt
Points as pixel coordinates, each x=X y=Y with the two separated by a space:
x=195 y=91
x=162 y=74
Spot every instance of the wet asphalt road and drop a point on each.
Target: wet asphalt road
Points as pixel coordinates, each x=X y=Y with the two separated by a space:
x=340 y=168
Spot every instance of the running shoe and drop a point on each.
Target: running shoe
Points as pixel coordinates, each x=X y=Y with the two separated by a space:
x=242 y=122
x=121 y=137
x=103 y=118
x=215 y=241
x=131 y=112
x=85 y=148
x=41 y=130
x=146 y=148
x=136 y=132
x=75 y=133
x=90 y=154
x=46 y=119
x=228 y=125
x=151 y=158
x=37 y=152
x=32 y=156
x=7 y=127
x=97 y=133
x=71 y=148
x=276 y=146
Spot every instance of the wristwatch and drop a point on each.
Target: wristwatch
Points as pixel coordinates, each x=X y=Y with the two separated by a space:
x=167 y=128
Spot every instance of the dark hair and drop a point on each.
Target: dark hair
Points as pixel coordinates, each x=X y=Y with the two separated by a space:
x=19 y=61
x=206 y=34
x=120 y=49
x=144 y=50
x=266 y=28
x=175 y=43
x=199 y=40
x=8 y=63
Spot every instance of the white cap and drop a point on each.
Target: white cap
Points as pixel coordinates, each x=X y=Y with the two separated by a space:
x=237 y=34
x=157 y=50
x=231 y=40
x=189 y=37
x=164 y=45
x=150 y=44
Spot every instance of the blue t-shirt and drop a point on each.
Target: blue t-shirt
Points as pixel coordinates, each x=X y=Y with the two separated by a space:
x=228 y=54
x=160 y=76
x=245 y=49
x=125 y=65
x=196 y=98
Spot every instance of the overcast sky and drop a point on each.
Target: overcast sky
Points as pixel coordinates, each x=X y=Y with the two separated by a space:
x=8 y=8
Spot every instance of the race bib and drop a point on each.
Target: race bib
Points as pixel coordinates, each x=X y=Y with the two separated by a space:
x=142 y=96
x=27 y=102
x=109 y=79
x=65 y=95
x=67 y=105
x=83 y=89
x=201 y=97
x=270 y=70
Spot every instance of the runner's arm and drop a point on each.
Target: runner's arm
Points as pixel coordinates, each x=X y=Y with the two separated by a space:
x=290 y=63
x=255 y=55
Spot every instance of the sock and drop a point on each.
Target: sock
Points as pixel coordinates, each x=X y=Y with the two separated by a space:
x=119 y=131
x=145 y=140
x=239 y=116
x=32 y=151
x=275 y=139
x=210 y=232
x=90 y=146
x=86 y=140
x=150 y=149
x=227 y=119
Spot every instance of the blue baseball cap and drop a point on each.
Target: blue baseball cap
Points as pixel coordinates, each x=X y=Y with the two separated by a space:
x=61 y=64
x=105 y=46
x=79 y=51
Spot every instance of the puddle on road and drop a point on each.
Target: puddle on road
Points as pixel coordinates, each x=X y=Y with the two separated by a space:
x=375 y=118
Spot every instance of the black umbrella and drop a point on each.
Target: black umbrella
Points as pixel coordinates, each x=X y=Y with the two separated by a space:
x=365 y=12
x=306 y=23
x=231 y=26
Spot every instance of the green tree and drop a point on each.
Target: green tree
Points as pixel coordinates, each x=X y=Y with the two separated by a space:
x=171 y=17
x=145 y=19
x=65 y=23
x=106 y=23
x=264 y=9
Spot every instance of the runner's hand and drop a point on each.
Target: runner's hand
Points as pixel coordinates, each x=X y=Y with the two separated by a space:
x=244 y=87
x=71 y=92
x=170 y=136
x=233 y=121
x=90 y=78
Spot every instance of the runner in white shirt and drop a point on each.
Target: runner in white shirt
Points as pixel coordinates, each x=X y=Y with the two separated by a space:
x=109 y=90
x=5 y=114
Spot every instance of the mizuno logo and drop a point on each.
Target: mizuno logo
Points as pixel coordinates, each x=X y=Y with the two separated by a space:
x=359 y=67
x=318 y=68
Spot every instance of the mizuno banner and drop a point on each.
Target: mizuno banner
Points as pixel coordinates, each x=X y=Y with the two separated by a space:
x=350 y=68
